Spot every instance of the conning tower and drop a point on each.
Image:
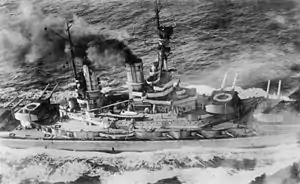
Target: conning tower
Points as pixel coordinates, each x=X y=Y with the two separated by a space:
x=135 y=77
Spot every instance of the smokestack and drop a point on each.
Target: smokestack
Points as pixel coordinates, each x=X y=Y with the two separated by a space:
x=279 y=88
x=86 y=73
x=224 y=80
x=94 y=95
x=135 y=76
x=268 y=88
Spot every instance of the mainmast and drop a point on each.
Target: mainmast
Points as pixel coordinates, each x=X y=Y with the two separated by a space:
x=71 y=50
x=157 y=15
x=69 y=39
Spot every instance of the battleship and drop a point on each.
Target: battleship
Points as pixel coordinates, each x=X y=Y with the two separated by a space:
x=151 y=113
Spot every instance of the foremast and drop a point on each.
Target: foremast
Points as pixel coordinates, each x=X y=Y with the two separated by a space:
x=164 y=34
x=72 y=52
x=159 y=72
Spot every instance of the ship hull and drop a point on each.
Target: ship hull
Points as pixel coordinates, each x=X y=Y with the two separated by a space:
x=113 y=146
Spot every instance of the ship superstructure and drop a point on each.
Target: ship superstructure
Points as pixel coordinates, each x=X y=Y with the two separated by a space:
x=155 y=107
x=152 y=108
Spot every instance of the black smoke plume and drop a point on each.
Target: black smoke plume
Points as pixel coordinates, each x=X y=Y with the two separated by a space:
x=25 y=38
x=110 y=51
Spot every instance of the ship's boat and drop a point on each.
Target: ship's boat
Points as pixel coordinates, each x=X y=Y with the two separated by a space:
x=150 y=114
x=123 y=115
x=116 y=135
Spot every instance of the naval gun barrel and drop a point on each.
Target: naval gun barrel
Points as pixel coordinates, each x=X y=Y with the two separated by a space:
x=279 y=88
x=268 y=88
x=8 y=104
x=43 y=92
x=235 y=79
x=224 y=80
x=51 y=93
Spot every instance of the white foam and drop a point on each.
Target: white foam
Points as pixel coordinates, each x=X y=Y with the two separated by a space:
x=281 y=157
x=269 y=160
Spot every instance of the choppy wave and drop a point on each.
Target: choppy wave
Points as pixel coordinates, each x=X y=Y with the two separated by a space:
x=191 y=165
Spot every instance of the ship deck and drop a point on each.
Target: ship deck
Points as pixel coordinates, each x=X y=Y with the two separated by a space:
x=268 y=134
x=262 y=128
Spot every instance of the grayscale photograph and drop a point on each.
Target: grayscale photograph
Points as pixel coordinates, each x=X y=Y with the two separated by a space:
x=149 y=92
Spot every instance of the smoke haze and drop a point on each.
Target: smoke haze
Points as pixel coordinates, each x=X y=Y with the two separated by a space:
x=25 y=38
